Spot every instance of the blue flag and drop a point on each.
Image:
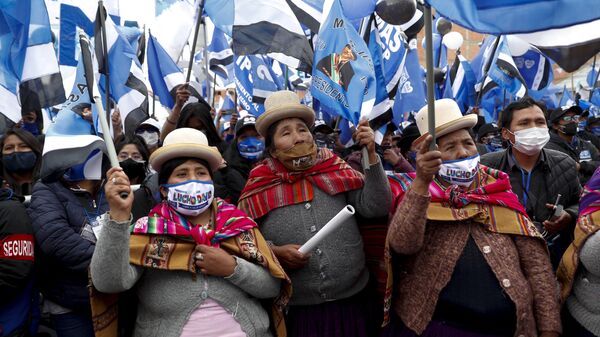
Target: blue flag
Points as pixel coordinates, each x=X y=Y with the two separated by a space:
x=566 y=98
x=163 y=73
x=264 y=79
x=592 y=77
x=394 y=48
x=536 y=70
x=244 y=86
x=343 y=72
x=220 y=55
x=515 y=16
x=410 y=96
x=382 y=99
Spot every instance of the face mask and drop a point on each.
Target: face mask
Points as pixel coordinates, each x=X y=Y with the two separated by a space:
x=460 y=172
x=133 y=169
x=531 y=141
x=596 y=130
x=251 y=148
x=495 y=144
x=31 y=128
x=190 y=197
x=19 y=161
x=569 y=129
x=299 y=157
x=151 y=138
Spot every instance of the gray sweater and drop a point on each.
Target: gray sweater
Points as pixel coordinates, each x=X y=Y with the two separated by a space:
x=168 y=298
x=584 y=302
x=336 y=269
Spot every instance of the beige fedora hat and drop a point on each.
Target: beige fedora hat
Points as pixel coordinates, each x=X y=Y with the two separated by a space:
x=448 y=118
x=281 y=105
x=186 y=142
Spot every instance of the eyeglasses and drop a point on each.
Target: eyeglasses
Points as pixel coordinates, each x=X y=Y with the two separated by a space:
x=570 y=118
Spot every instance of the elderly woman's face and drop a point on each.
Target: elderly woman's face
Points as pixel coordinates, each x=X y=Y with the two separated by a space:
x=457 y=145
x=290 y=132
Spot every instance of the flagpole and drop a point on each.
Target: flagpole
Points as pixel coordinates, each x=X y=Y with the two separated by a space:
x=96 y=98
x=103 y=14
x=595 y=79
x=429 y=65
x=486 y=69
x=214 y=89
x=193 y=49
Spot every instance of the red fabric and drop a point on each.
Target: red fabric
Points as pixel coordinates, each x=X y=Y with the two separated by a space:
x=271 y=185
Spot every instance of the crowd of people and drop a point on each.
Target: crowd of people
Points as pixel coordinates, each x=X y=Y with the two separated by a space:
x=488 y=230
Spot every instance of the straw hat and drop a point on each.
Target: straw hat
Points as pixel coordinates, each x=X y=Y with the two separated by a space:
x=448 y=118
x=282 y=105
x=186 y=142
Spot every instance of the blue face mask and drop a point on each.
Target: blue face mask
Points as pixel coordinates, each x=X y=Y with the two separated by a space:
x=19 y=161
x=596 y=130
x=251 y=148
x=31 y=128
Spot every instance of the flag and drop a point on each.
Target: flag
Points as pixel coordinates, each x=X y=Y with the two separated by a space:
x=569 y=47
x=264 y=80
x=343 y=72
x=163 y=73
x=228 y=103
x=173 y=26
x=592 y=77
x=460 y=83
x=244 y=87
x=126 y=78
x=410 y=96
x=30 y=73
x=263 y=27
x=536 y=70
x=220 y=55
x=382 y=108
x=493 y=101
x=482 y=58
x=515 y=16
x=566 y=98
x=71 y=142
x=503 y=71
x=308 y=12
x=394 y=48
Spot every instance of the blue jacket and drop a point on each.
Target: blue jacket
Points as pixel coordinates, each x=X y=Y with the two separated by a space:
x=58 y=217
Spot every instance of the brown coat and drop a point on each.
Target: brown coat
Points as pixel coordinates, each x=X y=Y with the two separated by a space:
x=432 y=249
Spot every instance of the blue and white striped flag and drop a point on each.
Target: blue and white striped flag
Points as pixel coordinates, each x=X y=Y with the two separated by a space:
x=382 y=108
x=127 y=86
x=163 y=73
x=394 y=50
x=263 y=27
x=410 y=96
x=308 y=12
x=460 y=83
x=504 y=72
x=71 y=142
x=29 y=73
x=219 y=53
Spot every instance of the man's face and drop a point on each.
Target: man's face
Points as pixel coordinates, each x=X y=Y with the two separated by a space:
x=532 y=117
x=566 y=119
x=347 y=54
x=488 y=137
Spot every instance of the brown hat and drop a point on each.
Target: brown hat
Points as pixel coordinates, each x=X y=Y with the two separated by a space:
x=282 y=105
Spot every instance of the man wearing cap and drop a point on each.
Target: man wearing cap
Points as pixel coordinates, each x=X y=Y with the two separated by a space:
x=489 y=139
x=405 y=143
x=564 y=138
x=468 y=261
x=537 y=174
x=241 y=155
x=590 y=130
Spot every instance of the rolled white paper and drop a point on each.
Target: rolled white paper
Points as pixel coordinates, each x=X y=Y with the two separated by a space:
x=329 y=228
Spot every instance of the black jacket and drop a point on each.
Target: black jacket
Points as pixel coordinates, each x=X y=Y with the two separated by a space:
x=16 y=266
x=230 y=181
x=58 y=216
x=558 y=176
x=582 y=151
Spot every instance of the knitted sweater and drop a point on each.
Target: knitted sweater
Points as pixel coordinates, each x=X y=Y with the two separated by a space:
x=336 y=269
x=167 y=298
x=584 y=302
